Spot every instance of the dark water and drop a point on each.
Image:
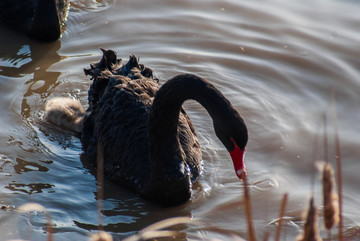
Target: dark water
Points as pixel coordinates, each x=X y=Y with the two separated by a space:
x=276 y=61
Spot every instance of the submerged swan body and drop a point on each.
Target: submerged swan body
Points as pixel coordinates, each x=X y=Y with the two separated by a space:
x=144 y=136
x=40 y=19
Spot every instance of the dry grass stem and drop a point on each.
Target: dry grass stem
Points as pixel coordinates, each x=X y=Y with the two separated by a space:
x=35 y=207
x=233 y=234
x=154 y=230
x=224 y=207
x=247 y=204
x=158 y=234
x=100 y=183
x=338 y=164
x=281 y=215
x=101 y=236
x=266 y=235
x=331 y=205
x=49 y=227
x=325 y=139
x=311 y=231
x=168 y=223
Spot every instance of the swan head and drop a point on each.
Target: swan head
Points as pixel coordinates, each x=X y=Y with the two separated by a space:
x=234 y=135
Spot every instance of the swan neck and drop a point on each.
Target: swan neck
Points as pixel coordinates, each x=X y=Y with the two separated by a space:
x=164 y=115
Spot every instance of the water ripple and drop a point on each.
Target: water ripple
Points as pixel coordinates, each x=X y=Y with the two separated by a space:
x=264 y=184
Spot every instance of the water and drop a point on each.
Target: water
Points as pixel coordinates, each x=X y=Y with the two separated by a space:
x=276 y=61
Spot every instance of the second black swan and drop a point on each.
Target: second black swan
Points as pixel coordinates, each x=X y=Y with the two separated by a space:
x=143 y=134
x=40 y=19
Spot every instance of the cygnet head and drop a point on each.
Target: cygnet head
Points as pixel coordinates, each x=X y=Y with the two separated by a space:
x=65 y=112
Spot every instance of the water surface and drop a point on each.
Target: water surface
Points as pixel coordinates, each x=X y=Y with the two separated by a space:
x=276 y=61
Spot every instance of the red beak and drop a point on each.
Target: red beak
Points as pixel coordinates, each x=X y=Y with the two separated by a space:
x=237 y=155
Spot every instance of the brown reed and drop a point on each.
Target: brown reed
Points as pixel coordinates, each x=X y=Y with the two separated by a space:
x=101 y=236
x=266 y=235
x=338 y=163
x=161 y=229
x=100 y=184
x=35 y=207
x=156 y=230
x=330 y=198
x=311 y=231
x=247 y=205
x=281 y=215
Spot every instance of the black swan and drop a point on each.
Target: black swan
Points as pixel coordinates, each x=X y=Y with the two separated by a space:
x=144 y=136
x=40 y=19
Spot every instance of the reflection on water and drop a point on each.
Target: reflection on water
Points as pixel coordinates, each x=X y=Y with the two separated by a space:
x=22 y=166
x=276 y=62
x=30 y=188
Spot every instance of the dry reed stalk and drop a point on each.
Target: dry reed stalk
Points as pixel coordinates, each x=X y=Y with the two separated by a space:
x=281 y=215
x=266 y=235
x=314 y=152
x=49 y=228
x=233 y=235
x=155 y=230
x=35 y=207
x=353 y=235
x=311 y=231
x=325 y=140
x=247 y=204
x=338 y=164
x=101 y=236
x=224 y=207
x=150 y=235
x=160 y=230
x=166 y=223
x=330 y=198
x=100 y=183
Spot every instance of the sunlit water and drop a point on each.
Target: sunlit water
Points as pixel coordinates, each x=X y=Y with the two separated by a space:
x=276 y=61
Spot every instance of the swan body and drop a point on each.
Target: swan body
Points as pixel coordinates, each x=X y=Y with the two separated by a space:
x=40 y=19
x=142 y=134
